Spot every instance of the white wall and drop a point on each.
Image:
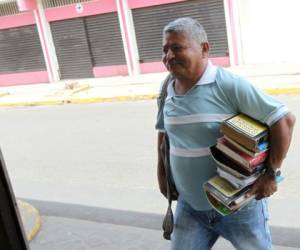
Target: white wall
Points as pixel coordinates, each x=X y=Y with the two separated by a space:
x=269 y=31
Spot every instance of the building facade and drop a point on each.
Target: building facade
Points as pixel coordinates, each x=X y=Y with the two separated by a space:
x=50 y=40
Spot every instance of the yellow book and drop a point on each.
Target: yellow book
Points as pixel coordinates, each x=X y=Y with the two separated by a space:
x=223 y=186
x=246 y=131
x=247 y=125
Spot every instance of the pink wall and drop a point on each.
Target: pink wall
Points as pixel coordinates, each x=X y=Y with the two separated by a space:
x=13 y=21
x=89 y=8
x=113 y=70
x=133 y=4
x=24 y=78
x=152 y=67
x=221 y=61
x=159 y=67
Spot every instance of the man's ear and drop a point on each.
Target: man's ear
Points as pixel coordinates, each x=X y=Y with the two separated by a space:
x=205 y=49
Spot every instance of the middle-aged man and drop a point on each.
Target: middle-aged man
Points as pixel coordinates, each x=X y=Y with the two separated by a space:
x=199 y=98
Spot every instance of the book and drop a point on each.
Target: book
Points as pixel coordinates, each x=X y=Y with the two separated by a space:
x=221 y=196
x=240 y=156
x=223 y=209
x=235 y=181
x=263 y=146
x=217 y=205
x=223 y=161
x=215 y=192
x=229 y=205
x=223 y=186
x=246 y=131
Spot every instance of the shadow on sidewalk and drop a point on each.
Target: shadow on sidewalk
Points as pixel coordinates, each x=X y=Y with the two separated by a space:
x=281 y=236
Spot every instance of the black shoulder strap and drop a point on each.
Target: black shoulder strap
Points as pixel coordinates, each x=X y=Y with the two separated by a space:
x=164 y=91
x=168 y=222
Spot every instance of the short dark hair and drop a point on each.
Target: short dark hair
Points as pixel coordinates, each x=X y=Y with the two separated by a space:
x=189 y=26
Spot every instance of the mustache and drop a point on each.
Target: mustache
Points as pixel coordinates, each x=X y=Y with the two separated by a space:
x=173 y=62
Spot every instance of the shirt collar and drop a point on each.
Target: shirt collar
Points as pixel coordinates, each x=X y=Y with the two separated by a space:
x=209 y=74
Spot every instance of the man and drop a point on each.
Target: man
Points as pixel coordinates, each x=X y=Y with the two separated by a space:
x=199 y=98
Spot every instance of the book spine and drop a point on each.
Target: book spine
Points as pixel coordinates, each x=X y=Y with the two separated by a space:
x=238 y=137
x=232 y=154
x=226 y=162
x=258 y=159
x=239 y=147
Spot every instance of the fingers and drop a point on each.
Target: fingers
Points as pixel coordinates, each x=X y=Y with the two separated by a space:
x=251 y=192
x=261 y=192
x=265 y=192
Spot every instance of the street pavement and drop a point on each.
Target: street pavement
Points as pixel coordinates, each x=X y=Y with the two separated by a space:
x=272 y=78
x=137 y=232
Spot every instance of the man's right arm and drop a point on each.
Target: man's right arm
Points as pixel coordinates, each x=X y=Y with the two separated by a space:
x=161 y=174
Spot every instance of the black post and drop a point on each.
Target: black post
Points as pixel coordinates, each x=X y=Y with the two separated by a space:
x=12 y=235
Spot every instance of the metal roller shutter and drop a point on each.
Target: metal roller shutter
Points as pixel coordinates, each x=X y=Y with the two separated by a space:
x=20 y=50
x=105 y=40
x=150 y=21
x=72 y=48
x=56 y=3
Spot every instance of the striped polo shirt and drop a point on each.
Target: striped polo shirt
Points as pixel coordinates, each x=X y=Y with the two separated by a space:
x=193 y=120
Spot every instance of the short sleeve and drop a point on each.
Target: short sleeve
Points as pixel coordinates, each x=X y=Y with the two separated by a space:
x=252 y=101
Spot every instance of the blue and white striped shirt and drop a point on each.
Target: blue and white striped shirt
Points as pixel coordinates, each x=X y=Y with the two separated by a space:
x=193 y=120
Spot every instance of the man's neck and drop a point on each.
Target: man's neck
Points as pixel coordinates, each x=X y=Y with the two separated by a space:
x=184 y=84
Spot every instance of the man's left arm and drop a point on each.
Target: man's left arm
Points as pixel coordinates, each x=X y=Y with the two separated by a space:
x=280 y=139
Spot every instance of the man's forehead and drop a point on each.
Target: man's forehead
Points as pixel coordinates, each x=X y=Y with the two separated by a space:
x=175 y=38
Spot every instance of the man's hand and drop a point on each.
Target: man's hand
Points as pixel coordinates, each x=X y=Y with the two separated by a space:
x=264 y=186
x=280 y=139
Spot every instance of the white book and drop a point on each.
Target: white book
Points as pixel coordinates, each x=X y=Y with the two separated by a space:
x=235 y=181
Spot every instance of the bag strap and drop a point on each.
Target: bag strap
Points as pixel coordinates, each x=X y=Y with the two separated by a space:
x=168 y=221
x=164 y=91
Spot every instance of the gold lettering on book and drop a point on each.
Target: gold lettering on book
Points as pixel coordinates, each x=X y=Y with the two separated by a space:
x=247 y=125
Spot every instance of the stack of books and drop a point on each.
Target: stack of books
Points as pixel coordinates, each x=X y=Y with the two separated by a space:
x=240 y=156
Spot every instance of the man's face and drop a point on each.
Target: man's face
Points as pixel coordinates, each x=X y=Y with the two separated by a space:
x=183 y=56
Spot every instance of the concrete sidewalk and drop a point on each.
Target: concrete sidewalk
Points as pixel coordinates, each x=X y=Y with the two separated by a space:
x=69 y=227
x=274 y=79
x=87 y=235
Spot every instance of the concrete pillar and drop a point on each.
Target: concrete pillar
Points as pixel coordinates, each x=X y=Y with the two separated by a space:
x=44 y=35
x=233 y=31
x=128 y=37
x=26 y=5
x=132 y=38
x=49 y=43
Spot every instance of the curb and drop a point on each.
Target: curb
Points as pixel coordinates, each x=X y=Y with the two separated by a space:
x=87 y=100
x=32 y=103
x=111 y=99
x=31 y=219
x=4 y=94
x=282 y=91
